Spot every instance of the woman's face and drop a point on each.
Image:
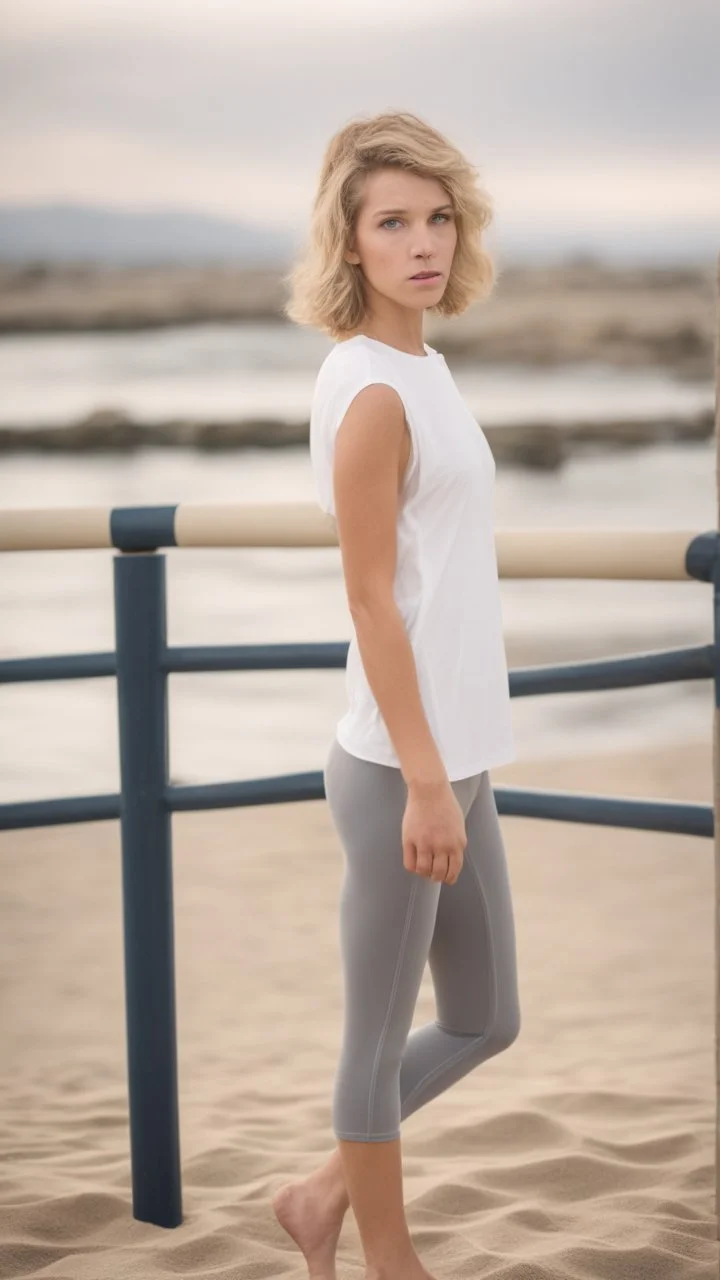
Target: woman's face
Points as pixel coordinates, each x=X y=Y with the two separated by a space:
x=406 y=224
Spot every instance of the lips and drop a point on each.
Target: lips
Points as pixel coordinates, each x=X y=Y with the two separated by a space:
x=425 y=275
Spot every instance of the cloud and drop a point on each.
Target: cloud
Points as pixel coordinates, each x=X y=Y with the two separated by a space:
x=208 y=97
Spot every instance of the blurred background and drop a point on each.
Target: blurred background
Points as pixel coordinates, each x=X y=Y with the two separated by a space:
x=159 y=162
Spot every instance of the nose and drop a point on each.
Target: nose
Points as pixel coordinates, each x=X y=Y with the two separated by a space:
x=422 y=252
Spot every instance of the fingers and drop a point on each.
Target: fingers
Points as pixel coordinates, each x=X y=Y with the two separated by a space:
x=454 y=869
x=440 y=867
x=424 y=865
x=443 y=868
x=409 y=856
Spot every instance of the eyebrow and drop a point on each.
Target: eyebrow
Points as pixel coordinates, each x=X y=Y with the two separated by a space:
x=439 y=209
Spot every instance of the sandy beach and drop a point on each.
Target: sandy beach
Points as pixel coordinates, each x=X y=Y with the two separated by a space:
x=585 y=1150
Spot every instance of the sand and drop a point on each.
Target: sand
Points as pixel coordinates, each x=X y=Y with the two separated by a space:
x=586 y=1150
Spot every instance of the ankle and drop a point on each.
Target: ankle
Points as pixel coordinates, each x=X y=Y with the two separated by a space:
x=332 y=1185
x=400 y=1262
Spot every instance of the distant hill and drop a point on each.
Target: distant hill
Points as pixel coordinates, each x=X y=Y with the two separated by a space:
x=83 y=233
x=65 y=234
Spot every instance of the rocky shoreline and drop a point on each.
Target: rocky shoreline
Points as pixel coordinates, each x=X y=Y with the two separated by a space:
x=540 y=445
x=578 y=311
x=581 y=311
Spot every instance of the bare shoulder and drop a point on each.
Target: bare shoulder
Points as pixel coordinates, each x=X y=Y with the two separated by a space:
x=377 y=407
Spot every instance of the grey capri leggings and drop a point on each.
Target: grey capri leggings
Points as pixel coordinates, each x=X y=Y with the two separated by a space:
x=391 y=922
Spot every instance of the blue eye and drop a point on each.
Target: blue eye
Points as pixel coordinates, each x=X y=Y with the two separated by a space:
x=444 y=216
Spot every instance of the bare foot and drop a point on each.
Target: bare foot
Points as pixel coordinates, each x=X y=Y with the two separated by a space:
x=314 y=1224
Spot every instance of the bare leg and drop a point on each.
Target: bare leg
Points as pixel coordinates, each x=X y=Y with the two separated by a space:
x=373 y=1175
x=312 y=1212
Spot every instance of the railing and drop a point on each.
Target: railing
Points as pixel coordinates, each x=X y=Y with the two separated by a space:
x=141 y=663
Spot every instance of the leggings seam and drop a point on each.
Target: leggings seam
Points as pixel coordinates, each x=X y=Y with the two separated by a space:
x=408 y=916
x=443 y=1066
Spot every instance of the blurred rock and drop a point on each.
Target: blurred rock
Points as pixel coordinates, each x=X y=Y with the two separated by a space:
x=543 y=445
x=578 y=311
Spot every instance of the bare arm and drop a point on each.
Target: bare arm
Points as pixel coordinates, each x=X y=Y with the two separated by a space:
x=367 y=472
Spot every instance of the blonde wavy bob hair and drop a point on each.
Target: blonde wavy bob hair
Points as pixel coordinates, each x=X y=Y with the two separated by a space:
x=326 y=291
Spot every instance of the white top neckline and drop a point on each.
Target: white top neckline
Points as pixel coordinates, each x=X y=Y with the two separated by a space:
x=386 y=346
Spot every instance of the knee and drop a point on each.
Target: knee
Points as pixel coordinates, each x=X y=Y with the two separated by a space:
x=507 y=1030
x=507 y=1033
x=502 y=1034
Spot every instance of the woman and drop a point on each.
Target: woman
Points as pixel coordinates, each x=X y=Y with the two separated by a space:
x=407 y=475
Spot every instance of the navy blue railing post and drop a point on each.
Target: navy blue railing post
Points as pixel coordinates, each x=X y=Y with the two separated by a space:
x=146 y=834
x=715 y=577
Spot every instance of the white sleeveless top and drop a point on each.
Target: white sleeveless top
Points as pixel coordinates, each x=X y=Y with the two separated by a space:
x=446 y=582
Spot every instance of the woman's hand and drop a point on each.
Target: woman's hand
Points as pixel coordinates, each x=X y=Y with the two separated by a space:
x=433 y=832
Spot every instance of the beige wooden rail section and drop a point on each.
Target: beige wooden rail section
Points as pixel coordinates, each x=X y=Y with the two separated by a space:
x=522 y=553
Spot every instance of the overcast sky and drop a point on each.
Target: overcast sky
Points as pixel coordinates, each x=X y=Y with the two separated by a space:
x=599 y=119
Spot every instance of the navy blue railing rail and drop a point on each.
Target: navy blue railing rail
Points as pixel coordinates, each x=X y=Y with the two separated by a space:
x=141 y=664
x=655 y=667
